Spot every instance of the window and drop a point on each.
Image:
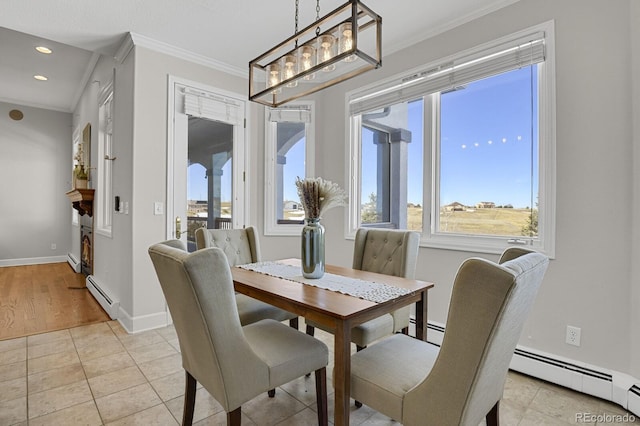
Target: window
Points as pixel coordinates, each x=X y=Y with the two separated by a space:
x=289 y=151
x=462 y=150
x=104 y=214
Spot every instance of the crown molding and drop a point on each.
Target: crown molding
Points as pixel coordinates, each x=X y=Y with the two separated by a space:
x=158 y=46
x=18 y=103
x=125 y=48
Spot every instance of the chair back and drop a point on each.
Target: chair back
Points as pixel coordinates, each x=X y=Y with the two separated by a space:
x=386 y=251
x=240 y=245
x=489 y=305
x=198 y=288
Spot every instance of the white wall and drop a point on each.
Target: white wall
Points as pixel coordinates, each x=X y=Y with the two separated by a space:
x=150 y=161
x=588 y=285
x=35 y=171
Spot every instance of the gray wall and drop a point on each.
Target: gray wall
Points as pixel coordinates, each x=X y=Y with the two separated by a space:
x=35 y=171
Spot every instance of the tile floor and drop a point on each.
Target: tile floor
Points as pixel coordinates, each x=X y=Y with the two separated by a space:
x=100 y=375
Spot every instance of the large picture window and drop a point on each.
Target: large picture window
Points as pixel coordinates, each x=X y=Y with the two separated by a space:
x=289 y=151
x=462 y=150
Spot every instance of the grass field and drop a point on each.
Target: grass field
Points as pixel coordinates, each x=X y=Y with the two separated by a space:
x=476 y=221
x=495 y=221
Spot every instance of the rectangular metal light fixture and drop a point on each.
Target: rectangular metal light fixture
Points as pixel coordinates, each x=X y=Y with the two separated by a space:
x=341 y=45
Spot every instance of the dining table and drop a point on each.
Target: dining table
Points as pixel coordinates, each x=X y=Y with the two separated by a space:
x=336 y=310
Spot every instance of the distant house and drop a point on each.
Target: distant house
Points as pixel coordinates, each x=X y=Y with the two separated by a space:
x=455 y=207
x=486 y=205
x=292 y=205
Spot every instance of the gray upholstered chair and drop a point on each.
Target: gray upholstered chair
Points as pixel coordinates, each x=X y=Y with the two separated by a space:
x=414 y=383
x=242 y=246
x=233 y=363
x=385 y=251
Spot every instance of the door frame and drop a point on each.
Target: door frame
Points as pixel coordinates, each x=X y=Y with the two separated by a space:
x=241 y=169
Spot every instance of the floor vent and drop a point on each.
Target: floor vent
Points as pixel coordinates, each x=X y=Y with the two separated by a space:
x=73 y=262
x=108 y=303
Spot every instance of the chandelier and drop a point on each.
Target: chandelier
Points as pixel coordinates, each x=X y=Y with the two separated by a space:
x=341 y=45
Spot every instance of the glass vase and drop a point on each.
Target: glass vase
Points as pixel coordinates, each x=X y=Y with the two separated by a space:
x=312 y=253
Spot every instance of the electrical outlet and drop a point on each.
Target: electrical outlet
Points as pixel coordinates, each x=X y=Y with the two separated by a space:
x=573 y=335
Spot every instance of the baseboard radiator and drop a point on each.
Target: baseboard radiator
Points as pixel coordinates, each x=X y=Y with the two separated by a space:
x=73 y=262
x=108 y=302
x=618 y=388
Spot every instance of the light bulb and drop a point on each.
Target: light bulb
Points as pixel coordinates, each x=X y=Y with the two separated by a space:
x=289 y=63
x=326 y=50
x=307 y=60
x=273 y=77
x=346 y=40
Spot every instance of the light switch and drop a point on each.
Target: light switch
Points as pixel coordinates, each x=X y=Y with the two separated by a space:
x=157 y=208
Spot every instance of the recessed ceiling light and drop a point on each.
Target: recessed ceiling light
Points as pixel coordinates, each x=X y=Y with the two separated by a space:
x=16 y=114
x=44 y=50
x=40 y=77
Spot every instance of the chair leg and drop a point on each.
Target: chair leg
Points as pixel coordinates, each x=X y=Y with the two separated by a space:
x=293 y=323
x=493 y=416
x=189 y=399
x=310 y=331
x=321 y=396
x=357 y=403
x=234 y=418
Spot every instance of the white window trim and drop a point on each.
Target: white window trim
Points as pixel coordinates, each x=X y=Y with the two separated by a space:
x=547 y=156
x=104 y=202
x=271 y=225
x=75 y=217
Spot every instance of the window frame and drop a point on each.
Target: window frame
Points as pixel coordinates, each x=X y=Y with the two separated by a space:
x=545 y=241
x=271 y=225
x=105 y=204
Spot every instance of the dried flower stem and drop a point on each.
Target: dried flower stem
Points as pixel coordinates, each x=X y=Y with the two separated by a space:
x=318 y=195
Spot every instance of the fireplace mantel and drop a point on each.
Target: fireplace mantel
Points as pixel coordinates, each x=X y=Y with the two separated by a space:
x=82 y=200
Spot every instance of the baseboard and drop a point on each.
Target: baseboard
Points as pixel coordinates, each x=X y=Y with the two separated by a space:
x=143 y=322
x=609 y=385
x=32 y=261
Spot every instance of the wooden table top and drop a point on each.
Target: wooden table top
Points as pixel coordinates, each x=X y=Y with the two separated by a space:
x=306 y=296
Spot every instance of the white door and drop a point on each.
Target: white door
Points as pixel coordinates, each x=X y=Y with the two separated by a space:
x=206 y=160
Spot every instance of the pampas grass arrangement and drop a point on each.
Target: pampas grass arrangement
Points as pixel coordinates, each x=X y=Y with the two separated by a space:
x=318 y=195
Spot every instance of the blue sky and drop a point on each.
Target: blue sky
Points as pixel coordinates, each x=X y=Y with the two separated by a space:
x=486 y=144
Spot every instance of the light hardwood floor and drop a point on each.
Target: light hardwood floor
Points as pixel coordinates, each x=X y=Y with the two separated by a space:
x=41 y=298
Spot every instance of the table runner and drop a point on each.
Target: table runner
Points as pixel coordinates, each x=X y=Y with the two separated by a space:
x=367 y=290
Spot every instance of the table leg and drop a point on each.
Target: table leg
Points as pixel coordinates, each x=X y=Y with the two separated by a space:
x=421 y=317
x=342 y=374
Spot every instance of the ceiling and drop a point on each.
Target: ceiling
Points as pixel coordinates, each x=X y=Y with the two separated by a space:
x=230 y=33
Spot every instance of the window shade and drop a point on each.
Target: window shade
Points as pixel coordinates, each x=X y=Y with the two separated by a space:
x=295 y=114
x=214 y=107
x=517 y=53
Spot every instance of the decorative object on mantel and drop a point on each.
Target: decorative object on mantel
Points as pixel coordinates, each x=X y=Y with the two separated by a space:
x=82 y=200
x=316 y=196
x=343 y=44
x=82 y=159
x=80 y=177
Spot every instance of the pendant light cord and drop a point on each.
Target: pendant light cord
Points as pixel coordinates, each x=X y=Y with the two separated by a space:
x=317 y=17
